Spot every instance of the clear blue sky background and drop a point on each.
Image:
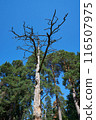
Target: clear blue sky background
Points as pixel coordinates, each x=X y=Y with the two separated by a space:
x=33 y=12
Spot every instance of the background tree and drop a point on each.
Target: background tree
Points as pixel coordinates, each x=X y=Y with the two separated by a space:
x=72 y=78
x=69 y=63
x=48 y=108
x=71 y=111
x=16 y=91
x=53 y=64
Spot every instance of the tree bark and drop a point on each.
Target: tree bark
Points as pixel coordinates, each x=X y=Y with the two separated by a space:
x=76 y=103
x=57 y=100
x=59 y=113
x=58 y=108
x=45 y=115
x=37 y=96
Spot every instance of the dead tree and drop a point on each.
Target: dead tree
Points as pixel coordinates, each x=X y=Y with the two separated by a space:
x=33 y=43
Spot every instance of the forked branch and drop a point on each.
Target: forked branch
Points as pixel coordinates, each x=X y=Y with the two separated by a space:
x=26 y=37
x=30 y=37
x=51 y=23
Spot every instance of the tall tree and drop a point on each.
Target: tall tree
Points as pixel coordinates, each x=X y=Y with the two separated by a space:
x=62 y=107
x=48 y=108
x=35 y=44
x=69 y=63
x=72 y=78
x=53 y=64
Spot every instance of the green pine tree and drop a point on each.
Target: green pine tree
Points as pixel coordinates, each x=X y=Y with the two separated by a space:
x=16 y=91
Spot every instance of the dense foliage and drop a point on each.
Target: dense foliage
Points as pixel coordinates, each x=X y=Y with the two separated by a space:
x=17 y=87
x=16 y=91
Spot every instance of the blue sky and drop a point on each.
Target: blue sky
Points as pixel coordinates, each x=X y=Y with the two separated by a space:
x=33 y=12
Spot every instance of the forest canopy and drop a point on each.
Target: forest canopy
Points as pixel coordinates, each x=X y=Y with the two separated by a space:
x=17 y=83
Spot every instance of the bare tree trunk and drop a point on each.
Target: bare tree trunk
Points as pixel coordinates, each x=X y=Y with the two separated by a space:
x=58 y=108
x=37 y=96
x=45 y=115
x=59 y=113
x=76 y=103
x=57 y=100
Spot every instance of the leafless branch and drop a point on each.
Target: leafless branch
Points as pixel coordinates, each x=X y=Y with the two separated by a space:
x=55 y=20
x=44 y=96
x=34 y=47
x=57 y=28
x=24 y=28
x=46 y=28
x=52 y=22
x=52 y=31
x=51 y=50
x=45 y=52
x=53 y=16
x=17 y=35
x=19 y=47
x=26 y=37
x=29 y=36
